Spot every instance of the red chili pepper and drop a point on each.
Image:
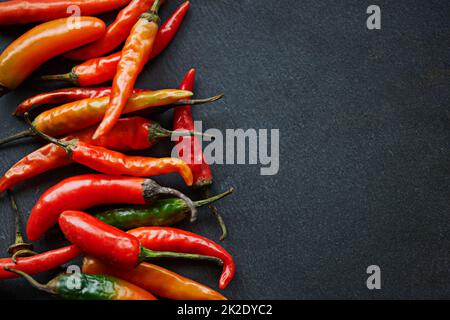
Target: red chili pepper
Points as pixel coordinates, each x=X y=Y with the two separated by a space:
x=112 y=245
x=135 y=54
x=40 y=262
x=113 y=162
x=65 y=95
x=116 y=33
x=86 y=191
x=169 y=239
x=42 y=43
x=133 y=133
x=28 y=11
x=183 y=120
x=103 y=69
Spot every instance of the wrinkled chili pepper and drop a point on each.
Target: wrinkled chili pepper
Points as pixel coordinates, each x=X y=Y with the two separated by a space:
x=135 y=54
x=162 y=282
x=86 y=191
x=115 y=163
x=88 y=287
x=99 y=70
x=19 y=248
x=134 y=133
x=40 y=262
x=162 y=212
x=167 y=239
x=42 y=43
x=81 y=114
x=28 y=11
x=111 y=245
x=115 y=34
x=65 y=95
x=183 y=120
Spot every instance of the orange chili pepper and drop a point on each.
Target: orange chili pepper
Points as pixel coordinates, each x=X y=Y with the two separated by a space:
x=135 y=54
x=42 y=43
x=161 y=282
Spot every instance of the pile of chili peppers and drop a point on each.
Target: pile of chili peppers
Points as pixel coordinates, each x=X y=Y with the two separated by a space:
x=93 y=126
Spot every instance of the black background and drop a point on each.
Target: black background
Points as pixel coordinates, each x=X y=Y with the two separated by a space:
x=364 y=162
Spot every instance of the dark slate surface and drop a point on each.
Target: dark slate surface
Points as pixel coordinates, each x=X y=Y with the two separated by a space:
x=365 y=133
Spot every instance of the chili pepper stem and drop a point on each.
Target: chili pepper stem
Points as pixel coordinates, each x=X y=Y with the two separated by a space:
x=147 y=254
x=208 y=201
x=32 y=281
x=67 y=146
x=176 y=193
x=17 y=136
x=192 y=102
x=67 y=77
x=19 y=248
x=152 y=14
x=217 y=215
x=189 y=134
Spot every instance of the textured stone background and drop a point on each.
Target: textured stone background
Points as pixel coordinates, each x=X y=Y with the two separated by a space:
x=364 y=121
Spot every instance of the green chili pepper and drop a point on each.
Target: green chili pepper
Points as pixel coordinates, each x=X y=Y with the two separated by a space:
x=80 y=286
x=162 y=212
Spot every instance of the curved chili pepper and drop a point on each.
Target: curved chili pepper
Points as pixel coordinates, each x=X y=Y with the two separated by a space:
x=167 y=239
x=86 y=191
x=42 y=43
x=65 y=95
x=162 y=212
x=103 y=69
x=182 y=120
x=135 y=54
x=116 y=33
x=79 y=286
x=113 y=162
x=112 y=245
x=40 y=262
x=133 y=133
x=162 y=282
x=28 y=11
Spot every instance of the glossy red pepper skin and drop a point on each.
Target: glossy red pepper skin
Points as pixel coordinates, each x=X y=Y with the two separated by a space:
x=79 y=193
x=96 y=71
x=171 y=239
x=169 y=29
x=116 y=33
x=182 y=120
x=42 y=43
x=100 y=240
x=28 y=11
x=134 y=133
x=39 y=263
x=99 y=70
x=135 y=54
x=62 y=96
